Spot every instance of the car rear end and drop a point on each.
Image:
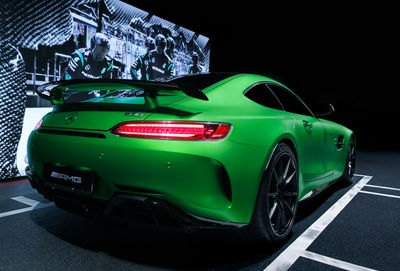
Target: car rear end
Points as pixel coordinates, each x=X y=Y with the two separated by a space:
x=138 y=158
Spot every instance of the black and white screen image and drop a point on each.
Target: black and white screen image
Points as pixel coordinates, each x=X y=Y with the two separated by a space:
x=145 y=48
x=50 y=40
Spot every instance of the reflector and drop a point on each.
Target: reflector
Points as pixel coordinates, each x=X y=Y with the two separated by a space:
x=37 y=126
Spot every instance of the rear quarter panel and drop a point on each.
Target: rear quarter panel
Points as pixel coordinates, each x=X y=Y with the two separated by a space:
x=253 y=126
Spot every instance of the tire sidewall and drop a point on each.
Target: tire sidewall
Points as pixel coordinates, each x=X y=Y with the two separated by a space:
x=346 y=178
x=262 y=208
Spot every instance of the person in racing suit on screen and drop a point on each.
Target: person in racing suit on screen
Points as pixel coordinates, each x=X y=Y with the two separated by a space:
x=90 y=63
x=159 y=63
x=142 y=62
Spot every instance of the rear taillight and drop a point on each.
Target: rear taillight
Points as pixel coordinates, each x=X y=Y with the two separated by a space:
x=173 y=130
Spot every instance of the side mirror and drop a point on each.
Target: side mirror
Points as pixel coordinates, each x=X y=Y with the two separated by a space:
x=326 y=114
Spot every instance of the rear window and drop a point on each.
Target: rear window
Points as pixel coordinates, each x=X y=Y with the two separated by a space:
x=262 y=95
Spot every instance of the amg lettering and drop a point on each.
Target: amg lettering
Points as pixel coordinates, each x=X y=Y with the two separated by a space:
x=65 y=177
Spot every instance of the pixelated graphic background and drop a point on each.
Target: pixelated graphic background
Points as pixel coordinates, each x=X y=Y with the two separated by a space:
x=37 y=39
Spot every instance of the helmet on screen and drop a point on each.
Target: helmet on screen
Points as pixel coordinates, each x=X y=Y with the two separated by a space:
x=101 y=40
x=149 y=43
x=170 y=43
x=161 y=42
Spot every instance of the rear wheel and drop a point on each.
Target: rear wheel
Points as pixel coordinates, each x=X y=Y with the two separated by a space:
x=276 y=205
x=350 y=166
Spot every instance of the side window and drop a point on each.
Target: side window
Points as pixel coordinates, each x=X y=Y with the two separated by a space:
x=289 y=101
x=261 y=94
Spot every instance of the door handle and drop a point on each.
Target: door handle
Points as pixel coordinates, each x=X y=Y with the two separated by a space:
x=307 y=125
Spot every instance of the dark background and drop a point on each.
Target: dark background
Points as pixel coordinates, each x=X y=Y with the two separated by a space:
x=327 y=53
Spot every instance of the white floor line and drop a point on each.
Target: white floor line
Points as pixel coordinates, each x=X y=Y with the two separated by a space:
x=334 y=262
x=289 y=256
x=18 y=211
x=26 y=201
x=380 y=194
x=33 y=205
x=383 y=187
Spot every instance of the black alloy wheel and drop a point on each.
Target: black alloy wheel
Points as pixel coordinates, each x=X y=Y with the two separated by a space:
x=282 y=195
x=276 y=205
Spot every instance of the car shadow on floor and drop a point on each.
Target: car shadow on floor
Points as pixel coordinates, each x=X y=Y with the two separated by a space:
x=148 y=246
x=212 y=249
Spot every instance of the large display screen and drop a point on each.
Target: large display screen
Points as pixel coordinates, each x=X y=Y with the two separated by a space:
x=51 y=40
x=144 y=48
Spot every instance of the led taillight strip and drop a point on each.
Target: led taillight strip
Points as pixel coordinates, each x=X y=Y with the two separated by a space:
x=173 y=130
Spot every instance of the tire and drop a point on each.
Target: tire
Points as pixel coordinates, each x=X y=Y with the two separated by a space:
x=276 y=204
x=350 y=166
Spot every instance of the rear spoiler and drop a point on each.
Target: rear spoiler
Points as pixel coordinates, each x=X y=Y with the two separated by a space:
x=53 y=91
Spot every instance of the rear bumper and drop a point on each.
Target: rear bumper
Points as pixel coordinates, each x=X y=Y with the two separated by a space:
x=136 y=210
x=214 y=180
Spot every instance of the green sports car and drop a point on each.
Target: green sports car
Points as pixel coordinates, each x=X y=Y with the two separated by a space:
x=200 y=151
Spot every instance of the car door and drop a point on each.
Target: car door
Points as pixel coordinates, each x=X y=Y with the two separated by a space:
x=309 y=132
